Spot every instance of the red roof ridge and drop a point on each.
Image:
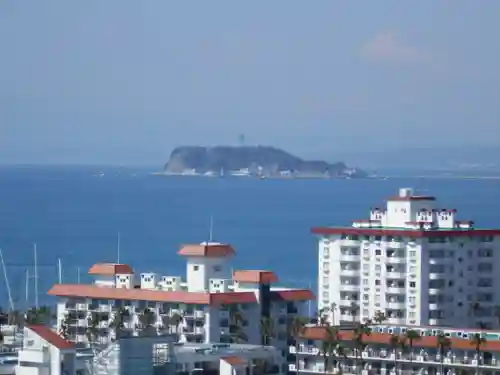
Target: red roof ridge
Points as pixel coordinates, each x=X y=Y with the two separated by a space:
x=319 y=333
x=51 y=336
x=255 y=276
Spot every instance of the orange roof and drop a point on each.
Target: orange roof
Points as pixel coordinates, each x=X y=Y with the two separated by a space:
x=255 y=277
x=110 y=269
x=318 y=333
x=212 y=250
x=234 y=360
x=201 y=298
x=292 y=295
x=51 y=337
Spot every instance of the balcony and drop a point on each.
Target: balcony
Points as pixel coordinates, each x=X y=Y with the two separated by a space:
x=396 y=290
x=395 y=260
x=349 y=287
x=347 y=302
x=396 y=305
x=350 y=243
x=395 y=275
x=199 y=314
x=349 y=272
x=396 y=245
x=349 y=257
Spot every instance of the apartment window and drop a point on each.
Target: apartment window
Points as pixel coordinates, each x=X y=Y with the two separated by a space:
x=377 y=297
x=377 y=268
x=377 y=282
x=413 y=253
x=485 y=253
x=365 y=281
x=411 y=314
x=366 y=251
x=325 y=295
x=326 y=266
x=217 y=268
x=366 y=297
x=378 y=252
x=196 y=268
x=413 y=269
x=485 y=267
x=413 y=284
x=326 y=252
x=366 y=312
x=412 y=300
x=325 y=280
x=366 y=267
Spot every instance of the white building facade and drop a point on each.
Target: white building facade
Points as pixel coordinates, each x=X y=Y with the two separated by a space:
x=208 y=301
x=412 y=261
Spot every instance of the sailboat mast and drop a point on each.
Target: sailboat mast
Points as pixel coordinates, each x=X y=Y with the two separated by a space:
x=35 y=275
x=11 y=301
x=27 y=291
x=118 y=243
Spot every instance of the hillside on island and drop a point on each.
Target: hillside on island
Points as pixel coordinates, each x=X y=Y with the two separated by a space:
x=256 y=160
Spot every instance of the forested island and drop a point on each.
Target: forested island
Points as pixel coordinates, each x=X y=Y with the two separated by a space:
x=258 y=161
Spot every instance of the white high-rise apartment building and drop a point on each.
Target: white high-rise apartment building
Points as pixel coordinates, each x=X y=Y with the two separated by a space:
x=415 y=263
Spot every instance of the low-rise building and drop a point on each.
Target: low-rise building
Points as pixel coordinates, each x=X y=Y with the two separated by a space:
x=213 y=303
x=388 y=350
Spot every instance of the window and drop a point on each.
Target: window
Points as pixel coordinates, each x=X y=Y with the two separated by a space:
x=413 y=284
x=413 y=269
x=326 y=252
x=366 y=267
x=365 y=281
x=217 y=268
x=377 y=268
x=413 y=253
x=196 y=268
x=325 y=295
x=377 y=282
x=326 y=266
x=378 y=252
x=366 y=297
x=325 y=280
x=412 y=300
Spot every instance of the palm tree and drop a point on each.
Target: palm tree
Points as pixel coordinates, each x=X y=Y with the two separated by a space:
x=93 y=328
x=395 y=343
x=236 y=330
x=296 y=329
x=176 y=320
x=118 y=322
x=361 y=330
x=147 y=320
x=64 y=327
x=353 y=309
x=443 y=344
x=379 y=317
x=267 y=330
x=411 y=337
x=478 y=341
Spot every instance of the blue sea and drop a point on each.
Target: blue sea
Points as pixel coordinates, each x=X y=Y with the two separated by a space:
x=73 y=214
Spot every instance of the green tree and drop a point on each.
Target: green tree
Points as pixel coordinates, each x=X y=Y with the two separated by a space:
x=360 y=332
x=443 y=344
x=147 y=319
x=395 y=342
x=236 y=323
x=92 y=331
x=296 y=328
x=176 y=320
x=411 y=337
x=478 y=341
x=379 y=317
x=267 y=330
x=64 y=327
x=118 y=322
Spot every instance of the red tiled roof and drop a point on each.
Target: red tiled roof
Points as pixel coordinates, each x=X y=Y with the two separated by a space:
x=319 y=333
x=110 y=269
x=292 y=295
x=413 y=198
x=412 y=233
x=255 y=277
x=234 y=360
x=213 y=250
x=202 y=298
x=51 y=337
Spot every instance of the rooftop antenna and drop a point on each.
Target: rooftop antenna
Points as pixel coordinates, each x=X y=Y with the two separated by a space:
x=36 y=275
x=118 y=240
x=211 y=229
x=59 y=269
x=78 y=275
x=11 y=301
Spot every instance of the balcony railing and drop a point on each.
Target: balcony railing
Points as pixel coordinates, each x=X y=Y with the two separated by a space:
x=417 y=356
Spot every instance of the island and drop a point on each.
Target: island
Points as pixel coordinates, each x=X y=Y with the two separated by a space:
x=251 y=161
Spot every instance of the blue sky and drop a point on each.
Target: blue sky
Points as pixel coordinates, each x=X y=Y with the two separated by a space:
x=123 y=82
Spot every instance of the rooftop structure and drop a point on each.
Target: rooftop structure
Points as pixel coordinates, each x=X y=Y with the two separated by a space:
x=453 y=349
x=212 y=304
x=416 y=263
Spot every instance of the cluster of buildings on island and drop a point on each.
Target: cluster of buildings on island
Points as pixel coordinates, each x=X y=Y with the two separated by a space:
x=417 y=264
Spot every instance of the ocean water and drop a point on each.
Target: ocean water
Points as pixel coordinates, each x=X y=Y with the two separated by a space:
x=74 y=215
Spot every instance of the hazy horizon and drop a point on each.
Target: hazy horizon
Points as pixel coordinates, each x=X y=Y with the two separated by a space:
x=123 y=83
